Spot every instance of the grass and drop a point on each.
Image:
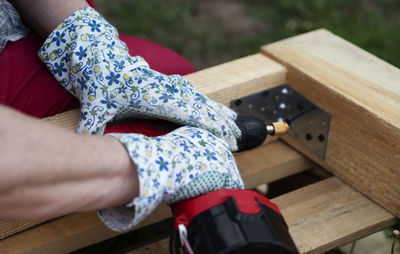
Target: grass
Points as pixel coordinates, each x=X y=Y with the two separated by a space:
x=208 y=32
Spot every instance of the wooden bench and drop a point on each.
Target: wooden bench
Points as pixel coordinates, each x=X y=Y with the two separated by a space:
x=362 y=94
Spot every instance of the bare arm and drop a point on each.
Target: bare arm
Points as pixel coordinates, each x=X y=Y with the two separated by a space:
x=46 y=171
x=43 y=16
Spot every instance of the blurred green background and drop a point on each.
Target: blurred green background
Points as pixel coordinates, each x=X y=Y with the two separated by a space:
x=209 y=32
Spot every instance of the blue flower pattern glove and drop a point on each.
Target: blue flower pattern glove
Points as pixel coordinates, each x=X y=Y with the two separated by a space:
x=86 y=56
x=183 y=164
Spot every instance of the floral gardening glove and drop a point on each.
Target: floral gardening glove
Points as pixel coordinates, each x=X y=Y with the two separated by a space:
x=183 y=164
x=87 y=58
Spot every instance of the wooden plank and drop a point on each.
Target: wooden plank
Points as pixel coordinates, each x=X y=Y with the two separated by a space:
x=8 y=228
x=362 y=94
x=238 y=78
x=329 y=214
x=275 y=161
x=320 y=216
x=67 y=234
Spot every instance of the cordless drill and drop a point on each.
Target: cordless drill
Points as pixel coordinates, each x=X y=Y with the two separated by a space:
x=224 y=221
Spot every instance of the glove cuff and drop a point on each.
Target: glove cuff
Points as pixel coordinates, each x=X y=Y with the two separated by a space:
x=182 y=164
x=140 y=149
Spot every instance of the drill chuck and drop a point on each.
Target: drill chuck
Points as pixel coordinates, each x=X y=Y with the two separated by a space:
x=254 y=131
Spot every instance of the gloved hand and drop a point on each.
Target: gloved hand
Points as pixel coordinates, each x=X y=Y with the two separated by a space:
x=87 y=58
x=182 y=164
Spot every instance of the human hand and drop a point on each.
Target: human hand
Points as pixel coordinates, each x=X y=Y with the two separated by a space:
x=183 y=164
x=87 y=58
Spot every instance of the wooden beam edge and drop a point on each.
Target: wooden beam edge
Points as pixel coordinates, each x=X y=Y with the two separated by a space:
x=363 y=152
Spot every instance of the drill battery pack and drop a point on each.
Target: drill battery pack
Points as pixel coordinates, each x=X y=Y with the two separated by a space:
x=230 y=222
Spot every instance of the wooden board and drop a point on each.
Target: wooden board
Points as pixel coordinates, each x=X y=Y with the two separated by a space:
x=67 y=234
x=275 y=160
x=8 y=228
x=362 y=94
x=222 y=83
x=320 y=216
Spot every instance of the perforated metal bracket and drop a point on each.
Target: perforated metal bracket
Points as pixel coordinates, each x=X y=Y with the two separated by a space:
x=309 y=124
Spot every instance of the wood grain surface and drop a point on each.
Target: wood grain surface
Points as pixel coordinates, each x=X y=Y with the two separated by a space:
x=362 y=94
x=8 y=228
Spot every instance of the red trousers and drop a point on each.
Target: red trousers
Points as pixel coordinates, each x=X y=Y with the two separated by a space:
x=27 y=85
